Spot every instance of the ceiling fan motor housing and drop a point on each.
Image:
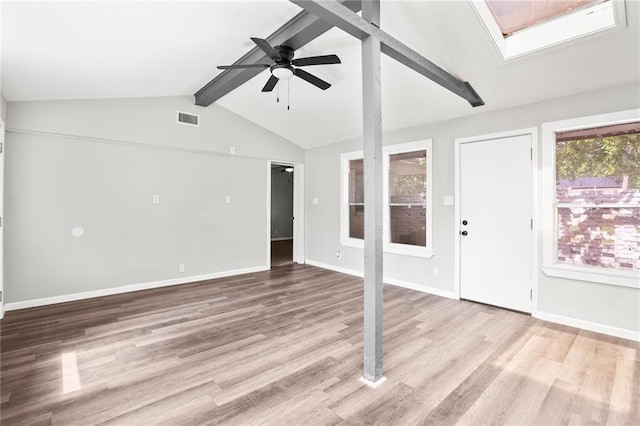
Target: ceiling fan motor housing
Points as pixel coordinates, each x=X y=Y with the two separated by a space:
x=286 y=54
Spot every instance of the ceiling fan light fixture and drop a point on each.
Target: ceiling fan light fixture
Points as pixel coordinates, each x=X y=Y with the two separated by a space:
x=282 y=72
x=288 y=169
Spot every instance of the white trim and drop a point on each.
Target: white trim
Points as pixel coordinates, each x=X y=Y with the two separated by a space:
x=268 y=206
x=593 y=274
x=282 y=239
x=421 y=288
x=588 y=325
x=587 y=22
x=532 y=132
x=129 y=288
x=548 y=199
x=371 y=384
x=387 y=280
x=346 y=271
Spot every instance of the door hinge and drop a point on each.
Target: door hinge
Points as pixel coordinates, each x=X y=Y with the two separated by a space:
x=531 y=223
x=1 y=147
x=530 y=294
x=531 y=153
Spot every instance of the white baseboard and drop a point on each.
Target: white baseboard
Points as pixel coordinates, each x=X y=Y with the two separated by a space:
x=588 y=325
x=387 y=280
x=282 y=239
x=128 y=288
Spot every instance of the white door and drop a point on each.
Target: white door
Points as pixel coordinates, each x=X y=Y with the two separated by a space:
x=496 y=211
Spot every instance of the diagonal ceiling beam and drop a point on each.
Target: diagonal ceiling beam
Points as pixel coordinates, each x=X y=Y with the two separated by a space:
x=300 y=30
x=349 y=21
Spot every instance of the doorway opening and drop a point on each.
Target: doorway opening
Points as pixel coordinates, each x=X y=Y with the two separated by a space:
x=282 y=218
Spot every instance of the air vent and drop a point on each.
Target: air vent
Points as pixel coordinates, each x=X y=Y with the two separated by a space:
x=190 y=119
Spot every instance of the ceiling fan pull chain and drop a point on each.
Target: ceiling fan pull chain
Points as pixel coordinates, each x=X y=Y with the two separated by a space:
x=288 y=93
x=278 y=91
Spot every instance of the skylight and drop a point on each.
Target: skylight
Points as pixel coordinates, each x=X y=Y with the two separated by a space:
x=512 y=16
x=518 y=27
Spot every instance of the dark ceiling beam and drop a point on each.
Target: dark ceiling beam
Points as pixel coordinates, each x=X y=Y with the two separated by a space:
x=300 y=30
x=349 y=21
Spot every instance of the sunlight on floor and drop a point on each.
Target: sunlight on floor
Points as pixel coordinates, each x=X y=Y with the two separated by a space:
x=70 y=374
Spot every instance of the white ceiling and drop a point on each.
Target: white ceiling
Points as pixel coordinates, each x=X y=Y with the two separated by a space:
x=89 y=50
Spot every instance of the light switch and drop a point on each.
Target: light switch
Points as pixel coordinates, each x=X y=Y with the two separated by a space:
x=232 y=150
x=227 y=199
x=448 y=200
x=315 y=200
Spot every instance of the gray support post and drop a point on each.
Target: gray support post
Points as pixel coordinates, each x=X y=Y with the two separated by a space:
x=372 y=113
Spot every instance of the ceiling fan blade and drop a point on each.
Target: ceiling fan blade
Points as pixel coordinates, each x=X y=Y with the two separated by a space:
x=271 y=83
x=316 y=60
x=266 y=47
x=312 y=79
x=231 y=67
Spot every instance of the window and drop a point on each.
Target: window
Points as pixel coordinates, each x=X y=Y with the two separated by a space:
x=407 y=195
x=525 y=26
x=356 y=199
x=592 y=198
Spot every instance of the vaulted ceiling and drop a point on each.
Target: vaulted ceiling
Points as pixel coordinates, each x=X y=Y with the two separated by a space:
x=93 y=50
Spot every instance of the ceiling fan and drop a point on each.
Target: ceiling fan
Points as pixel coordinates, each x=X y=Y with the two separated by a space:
x=284 y=66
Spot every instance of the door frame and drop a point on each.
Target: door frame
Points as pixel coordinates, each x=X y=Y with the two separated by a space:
x=298 y=211
x=532 y=132
x=3 y=145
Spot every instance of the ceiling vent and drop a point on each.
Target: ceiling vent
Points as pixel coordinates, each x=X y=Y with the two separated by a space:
x=190 y=119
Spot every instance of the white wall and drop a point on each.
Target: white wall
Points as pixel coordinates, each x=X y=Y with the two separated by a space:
x=616 y=307
x=97 y=164
x=281 y=204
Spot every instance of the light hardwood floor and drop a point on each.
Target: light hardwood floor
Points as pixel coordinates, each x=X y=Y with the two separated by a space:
x=284 y=347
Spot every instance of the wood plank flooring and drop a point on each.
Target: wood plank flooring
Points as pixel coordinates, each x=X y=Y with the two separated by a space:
x=283 y=347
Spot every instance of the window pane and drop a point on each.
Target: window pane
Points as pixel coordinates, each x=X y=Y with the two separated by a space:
x=407 y=198
x=356 y=181
x=407 y=177
x=598 y=165
x=408 y=225
x=512 y=16
x=356 y=222
x=604 y=237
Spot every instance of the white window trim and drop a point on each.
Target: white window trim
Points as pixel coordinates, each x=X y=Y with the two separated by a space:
x=388 y=247
x=581 y=23
x=550 y=266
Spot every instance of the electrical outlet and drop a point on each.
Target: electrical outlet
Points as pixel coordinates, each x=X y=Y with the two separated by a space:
x=339 y=255
x=156 y=199
x=181 y=267
x=436 y=271
x=275 y=231
x=232 y=150
x=227 y=199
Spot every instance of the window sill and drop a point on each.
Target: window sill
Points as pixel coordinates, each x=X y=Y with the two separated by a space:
x=595 y=275
x=405 y=250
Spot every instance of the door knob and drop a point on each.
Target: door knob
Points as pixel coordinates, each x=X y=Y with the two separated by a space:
x=464 y=233
x=464 y=222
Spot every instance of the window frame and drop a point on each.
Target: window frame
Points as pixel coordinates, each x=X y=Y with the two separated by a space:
x=549 y=205
x=585 y=22
x=388 y=247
